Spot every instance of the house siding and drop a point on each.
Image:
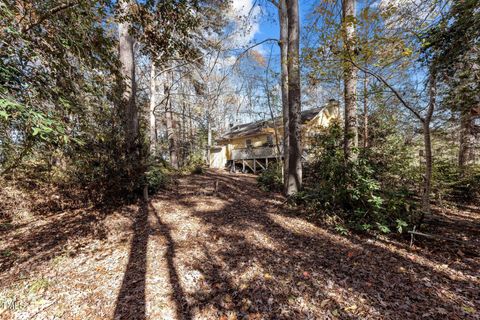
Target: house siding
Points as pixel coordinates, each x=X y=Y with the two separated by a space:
x=260 y=140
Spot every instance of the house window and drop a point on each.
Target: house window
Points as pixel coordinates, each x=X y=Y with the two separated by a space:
x=270 y=140
x=249 y=143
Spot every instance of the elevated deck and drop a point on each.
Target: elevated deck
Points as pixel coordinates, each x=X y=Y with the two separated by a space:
x=256 y=153
x=254 y=159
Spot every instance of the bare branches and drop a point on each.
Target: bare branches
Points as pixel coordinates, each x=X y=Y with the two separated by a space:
x=389 y=86
x=182 y=64
x=255 y=45
x=208 y=53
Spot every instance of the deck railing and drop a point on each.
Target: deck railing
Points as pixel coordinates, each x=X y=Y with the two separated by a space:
x=256 y=153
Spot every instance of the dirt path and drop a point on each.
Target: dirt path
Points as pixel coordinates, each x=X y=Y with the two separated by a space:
x=192 y=253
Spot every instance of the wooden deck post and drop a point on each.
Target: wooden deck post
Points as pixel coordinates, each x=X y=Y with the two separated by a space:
x=243 y=165
x=261 y=165
x=266 y=163
x=254 y=166
x=233 y=168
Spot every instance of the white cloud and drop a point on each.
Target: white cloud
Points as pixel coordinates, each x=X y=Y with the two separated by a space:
x=244 y=23
x=244 y=17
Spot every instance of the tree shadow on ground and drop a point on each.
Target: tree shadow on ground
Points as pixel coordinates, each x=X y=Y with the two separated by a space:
x=131 y=300
x=309 y=272
x=182 y=308
x=65 y=233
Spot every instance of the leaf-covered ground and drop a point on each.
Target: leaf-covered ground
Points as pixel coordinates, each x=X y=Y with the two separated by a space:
x=193 y=253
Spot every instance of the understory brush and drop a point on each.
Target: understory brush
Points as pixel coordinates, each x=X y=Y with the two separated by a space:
x=158 y=175
x=271 y=178
x=373 y=193
x=455 y=184
x=194 y=164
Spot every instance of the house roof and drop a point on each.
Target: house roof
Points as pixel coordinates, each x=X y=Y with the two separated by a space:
x=257 y=127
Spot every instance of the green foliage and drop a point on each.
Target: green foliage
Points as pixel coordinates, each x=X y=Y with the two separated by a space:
x=452 y=44
x=56 y=81
x=61 y=90
x=195 y=164
x=341 y=230
x=361 y=192
x=454 y=183
x=168 y=28
x=158 y=176
x=383 y=228
x=467 y=188
x=376 y=46
x=271 y=179
x=33 y=126
x=6 y=253
x=60 y=94
x=401 y=225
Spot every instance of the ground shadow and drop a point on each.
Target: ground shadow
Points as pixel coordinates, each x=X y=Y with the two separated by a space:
x=131 y=298
x=182 y=307
x=365 y=278
x=29 y=245
x=65 y=233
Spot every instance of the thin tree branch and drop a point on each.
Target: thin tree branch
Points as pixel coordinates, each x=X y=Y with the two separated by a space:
x=275 y=3
x=388 y=85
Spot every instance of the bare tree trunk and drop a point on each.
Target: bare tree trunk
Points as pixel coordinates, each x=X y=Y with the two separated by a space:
x=283 y=18
x=126 y=54
x=294 y=177
x=184 y=134
x=151 y=113
x=191 y=129
x=209 y=139
x=427 y=178
x=350 y=80
x=466 y=137
x=270 y=108
x=170 y=126
x=365 y=112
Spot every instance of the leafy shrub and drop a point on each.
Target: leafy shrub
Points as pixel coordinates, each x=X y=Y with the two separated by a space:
x=451 y=182
x=195 y=164
x=363 y=193
x=38 y=128
x=61 y=115
x=444 y=176
x=467 y=188
x=158 y=177
x=271 y=179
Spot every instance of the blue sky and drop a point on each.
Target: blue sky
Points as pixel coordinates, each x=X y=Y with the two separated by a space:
x=265 y=26
x=268 y=23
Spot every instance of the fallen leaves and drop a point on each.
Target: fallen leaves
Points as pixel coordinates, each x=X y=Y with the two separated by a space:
x=227 y=257
x=324 y=303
